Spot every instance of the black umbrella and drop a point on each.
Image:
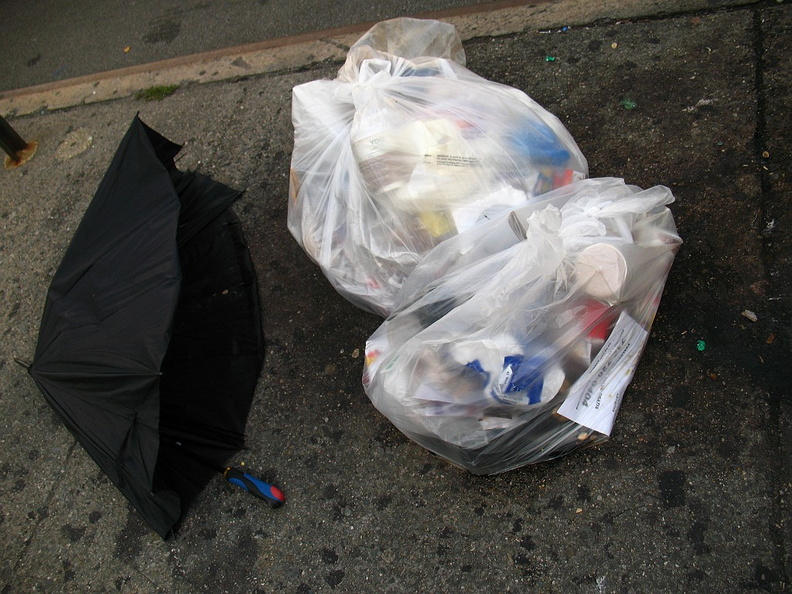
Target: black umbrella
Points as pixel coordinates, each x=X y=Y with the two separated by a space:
x=150 y=344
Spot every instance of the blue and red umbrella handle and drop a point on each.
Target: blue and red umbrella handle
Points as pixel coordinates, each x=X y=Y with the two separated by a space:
x=256 y=487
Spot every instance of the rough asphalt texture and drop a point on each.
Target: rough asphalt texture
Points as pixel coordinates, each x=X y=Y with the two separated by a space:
x=692 y=492
x=56 y=41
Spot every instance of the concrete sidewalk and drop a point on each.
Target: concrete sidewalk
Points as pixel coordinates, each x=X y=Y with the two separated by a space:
x=691 y=494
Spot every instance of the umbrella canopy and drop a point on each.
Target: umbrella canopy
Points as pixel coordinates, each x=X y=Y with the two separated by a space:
x=150 y=343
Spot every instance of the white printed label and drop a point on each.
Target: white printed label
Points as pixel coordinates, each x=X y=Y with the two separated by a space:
x=594 y=399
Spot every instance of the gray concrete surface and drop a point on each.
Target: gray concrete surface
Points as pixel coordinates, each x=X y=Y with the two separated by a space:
x=691 y=494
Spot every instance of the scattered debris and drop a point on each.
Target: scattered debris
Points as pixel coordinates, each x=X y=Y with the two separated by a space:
x=701 y=345
x=699 y=103
x=628 y=104
x=550 y=59
x=747 y=313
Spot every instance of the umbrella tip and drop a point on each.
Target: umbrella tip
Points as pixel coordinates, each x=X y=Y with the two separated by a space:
x=23 y=363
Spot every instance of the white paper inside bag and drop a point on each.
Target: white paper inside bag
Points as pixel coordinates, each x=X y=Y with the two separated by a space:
x=594 y=399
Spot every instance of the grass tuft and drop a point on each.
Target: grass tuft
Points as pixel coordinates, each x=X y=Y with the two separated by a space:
x=156 y=93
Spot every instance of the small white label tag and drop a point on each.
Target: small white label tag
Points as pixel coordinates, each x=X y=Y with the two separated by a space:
x=594 y=399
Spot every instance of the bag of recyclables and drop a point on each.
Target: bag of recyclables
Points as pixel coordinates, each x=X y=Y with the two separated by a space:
x=513 y=342
x=406 y=148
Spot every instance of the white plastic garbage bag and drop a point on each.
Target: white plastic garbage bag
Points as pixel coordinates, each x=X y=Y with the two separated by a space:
x=406 y=148
x=514 y=341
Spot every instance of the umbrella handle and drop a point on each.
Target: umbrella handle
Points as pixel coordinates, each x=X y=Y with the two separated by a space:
x=254 y=486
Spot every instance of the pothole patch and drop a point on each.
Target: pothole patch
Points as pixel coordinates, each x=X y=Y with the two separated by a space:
x=76 y=142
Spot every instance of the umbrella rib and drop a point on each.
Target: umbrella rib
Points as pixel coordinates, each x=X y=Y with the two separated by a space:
x=51 y=375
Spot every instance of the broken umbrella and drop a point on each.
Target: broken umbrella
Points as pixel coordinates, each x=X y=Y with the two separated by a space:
x=150 y=343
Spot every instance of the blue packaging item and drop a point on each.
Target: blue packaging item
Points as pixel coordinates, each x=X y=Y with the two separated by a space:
x=521 y=381
x=538 y=143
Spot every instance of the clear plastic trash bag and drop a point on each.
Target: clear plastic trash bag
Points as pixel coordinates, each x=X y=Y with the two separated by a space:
x=514 y=341
x=406 y=148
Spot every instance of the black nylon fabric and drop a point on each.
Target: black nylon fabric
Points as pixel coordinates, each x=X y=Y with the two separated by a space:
x=150 y=343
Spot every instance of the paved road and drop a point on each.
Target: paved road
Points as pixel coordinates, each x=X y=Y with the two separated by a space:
x=52 y=40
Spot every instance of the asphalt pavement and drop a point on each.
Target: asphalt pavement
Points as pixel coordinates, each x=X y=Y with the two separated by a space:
x=50 y=41
x=690 y=494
